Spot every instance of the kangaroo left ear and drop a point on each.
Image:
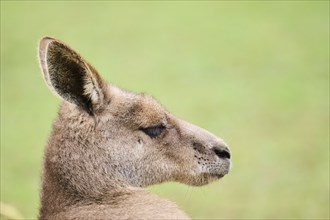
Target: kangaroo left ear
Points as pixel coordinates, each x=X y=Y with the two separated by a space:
x=70 y=76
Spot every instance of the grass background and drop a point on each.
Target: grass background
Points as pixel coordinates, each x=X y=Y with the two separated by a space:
x=256 y=73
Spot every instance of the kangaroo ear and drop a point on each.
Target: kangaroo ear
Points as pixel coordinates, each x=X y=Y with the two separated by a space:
x=69 y=75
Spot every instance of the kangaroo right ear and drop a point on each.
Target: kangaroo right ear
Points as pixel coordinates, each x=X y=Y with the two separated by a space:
x=69 y=75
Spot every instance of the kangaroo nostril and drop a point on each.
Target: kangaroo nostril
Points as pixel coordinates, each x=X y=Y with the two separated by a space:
x=221 y=152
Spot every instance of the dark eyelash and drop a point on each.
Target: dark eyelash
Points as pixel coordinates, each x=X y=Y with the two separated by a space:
x=153 y=131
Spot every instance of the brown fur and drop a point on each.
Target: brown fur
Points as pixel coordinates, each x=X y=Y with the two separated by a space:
x=107 y=144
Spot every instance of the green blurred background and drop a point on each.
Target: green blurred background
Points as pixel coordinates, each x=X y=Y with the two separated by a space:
x=254 y=73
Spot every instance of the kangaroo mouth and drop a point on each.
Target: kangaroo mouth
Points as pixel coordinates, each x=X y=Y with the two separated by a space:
x=220 y=172
x=217 y=175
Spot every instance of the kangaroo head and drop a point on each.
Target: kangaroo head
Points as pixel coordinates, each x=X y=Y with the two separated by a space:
x=106 y=137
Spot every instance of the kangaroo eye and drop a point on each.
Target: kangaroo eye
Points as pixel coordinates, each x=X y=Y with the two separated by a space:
x=153 y=131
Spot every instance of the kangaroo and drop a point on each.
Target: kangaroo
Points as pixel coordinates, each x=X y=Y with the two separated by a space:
x=107 y=144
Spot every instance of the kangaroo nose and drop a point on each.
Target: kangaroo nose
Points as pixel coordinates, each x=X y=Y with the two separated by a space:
x=221 y=152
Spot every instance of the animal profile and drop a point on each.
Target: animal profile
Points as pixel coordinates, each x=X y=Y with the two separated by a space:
x=107 y=144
